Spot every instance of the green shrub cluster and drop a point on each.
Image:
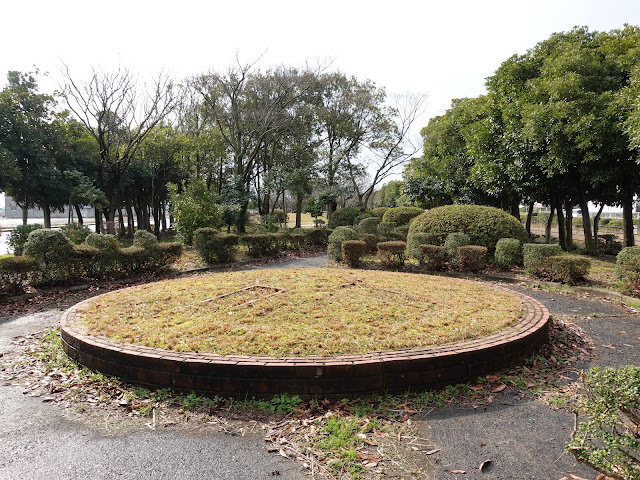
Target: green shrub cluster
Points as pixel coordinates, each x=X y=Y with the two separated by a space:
x=344 y=217
x=567 y=268
x=452 y=243
x=414 y=240
x=362 y=216
x=608 y=440
x=53 y=252
x=371 y=240
x=260 y=244
x=75 y=232
x=535 y=254
x=508 y=253
x=614 y=222
x=352 y=250
x=472 y=258
x=401 y=232
x=19 y=235
x=369 y=225
x=628 y=267
x=391 y=253
x=609 y=244
x=385 y=229
x=379 y=211
x=339 y=235
x=433 y=257
x=484 y=225
x=15 y=273
x=215 y=247
x=401 y=215
x=318 y=237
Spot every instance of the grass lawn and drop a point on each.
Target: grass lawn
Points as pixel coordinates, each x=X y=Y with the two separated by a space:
x=301 y=312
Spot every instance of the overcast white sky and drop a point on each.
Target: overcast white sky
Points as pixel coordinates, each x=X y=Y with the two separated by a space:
x=443 y=48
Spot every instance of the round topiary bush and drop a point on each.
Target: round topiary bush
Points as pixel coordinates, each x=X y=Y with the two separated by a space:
x=508 y=252
x=484 y=225
x=451 y=244
x=146 y=240
x=369 y=225
x=336 y=238
x=344 y=217
x=628 y=266
x=414 y=240
x=379 y=211
x=54 y=253
x=401 y=215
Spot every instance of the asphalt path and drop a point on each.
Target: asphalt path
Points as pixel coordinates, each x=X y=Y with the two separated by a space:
x=523 y=438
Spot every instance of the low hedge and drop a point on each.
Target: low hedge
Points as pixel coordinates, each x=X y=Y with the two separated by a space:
x=567 y=268
x=369 y=225
x=352 y=250
x=508 y=253
x=472 y=258
x=414 y=240
x=391 y=253
x=534 y=255
x=432 y=257
x=385 y=229
x=371 y=240
x=259 y=244
x=628 y=266
x=401 y=215
x=318 y=237
x=15 y=273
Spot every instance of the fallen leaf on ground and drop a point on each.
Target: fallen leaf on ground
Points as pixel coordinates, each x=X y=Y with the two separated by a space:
x=455 y=471
x=498 y=388
x=492 y=378
x=484 y=466
x=476 y=388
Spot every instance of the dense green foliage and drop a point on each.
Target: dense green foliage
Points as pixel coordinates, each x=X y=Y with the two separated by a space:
x=214 y=247
x=535 y=255
x=401 y=215
x=567 y=268
x=414 y=240
x=195 y=207
x=369 y=225
x=508 y=253
x=336 y=238
x=54 y=253
x=452 y=243
x=15 y=272
x=75 y=232
x=608 y=438
x=628 y=266
x=484 y=225
x=433 y=257
x=344 y=217
x=19 y=235
x=391 y=253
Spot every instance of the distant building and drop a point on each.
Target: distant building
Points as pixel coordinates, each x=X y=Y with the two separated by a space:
x=12 y=210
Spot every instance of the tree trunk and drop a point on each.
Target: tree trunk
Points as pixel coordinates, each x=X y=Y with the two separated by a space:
x=299 y=199
x=529 y=218
x=627 y=219
x=568 y=213
x=47 y=216
x=586 y=224
x=130 y=218
x=515 y=207
x=561 y=231
x=331 y=207
x=164 y=216
x=122 y=231
x=547 y=232
x=79 y=214
x=243 y=213
x=596 y=225
x=98 y=218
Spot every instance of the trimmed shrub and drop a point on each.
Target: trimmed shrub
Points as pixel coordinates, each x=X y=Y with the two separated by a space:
x=318 y=237
x=604 y=221
x=567 y=268
x=343 y=217
x=19 y=235
x=379 y=211
x=369 y=225
x=84 y=260
x=609 y=244
x=258 y=245
x=472 y=258
x=15 y=272
x=214 y=247
x=401 y=215
x=171 y=251
x=352 y=250
x=146 y=240
x=54 y=253
x=339 y=235
x=451 y=244
x=608 y=439
x=535 y=254
x=371 y=241
x=386 y=229
x=414 y=240
x=484 y=225
x=134 y=259
x=108 y=258
x=391 y=254
x=297 y=241
x=628 y=266
x=401 y=232
x=508 y=253
x=362 y=216
x=433 y=257
x=75 y=232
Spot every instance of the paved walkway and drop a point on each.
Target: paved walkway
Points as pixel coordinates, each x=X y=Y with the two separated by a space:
x=523 y=438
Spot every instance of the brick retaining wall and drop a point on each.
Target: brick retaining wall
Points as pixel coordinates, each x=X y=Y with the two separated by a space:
x=334 y=377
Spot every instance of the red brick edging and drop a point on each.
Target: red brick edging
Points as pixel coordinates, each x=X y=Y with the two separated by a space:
x=337 y=376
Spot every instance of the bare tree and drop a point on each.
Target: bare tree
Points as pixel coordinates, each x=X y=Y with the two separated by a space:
x=392 y=149
x=118 y=114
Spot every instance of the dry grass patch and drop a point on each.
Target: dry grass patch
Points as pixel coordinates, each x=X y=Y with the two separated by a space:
x=301 y=312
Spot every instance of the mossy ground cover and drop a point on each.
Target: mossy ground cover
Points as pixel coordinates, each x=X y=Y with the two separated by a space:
x=301 y=312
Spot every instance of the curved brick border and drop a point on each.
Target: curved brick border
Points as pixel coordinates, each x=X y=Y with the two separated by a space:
x=338 y=376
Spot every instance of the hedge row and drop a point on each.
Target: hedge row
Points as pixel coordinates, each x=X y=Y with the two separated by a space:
x=50 y=257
